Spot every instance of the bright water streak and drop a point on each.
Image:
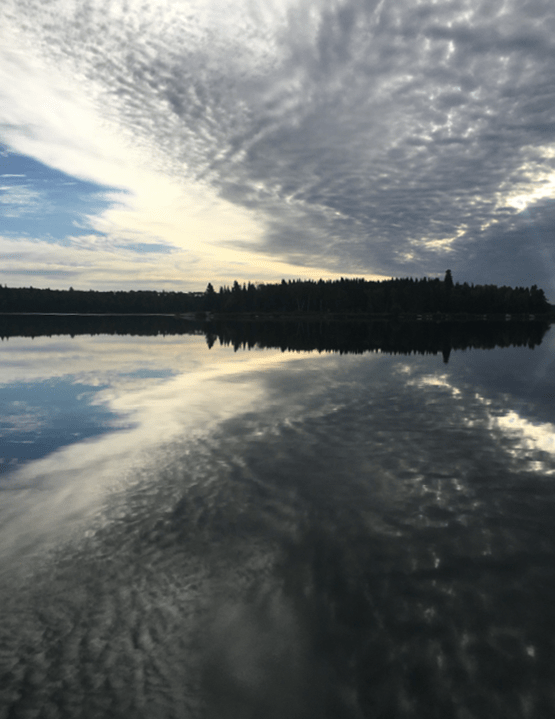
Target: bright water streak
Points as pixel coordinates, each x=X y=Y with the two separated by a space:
x=258 y=534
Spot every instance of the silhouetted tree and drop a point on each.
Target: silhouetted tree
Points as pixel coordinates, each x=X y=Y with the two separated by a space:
x=209 y=297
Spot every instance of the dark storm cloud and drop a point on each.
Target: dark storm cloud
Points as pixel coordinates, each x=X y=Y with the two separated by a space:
x=521 y=254
x=368 y=137
x=414 y=126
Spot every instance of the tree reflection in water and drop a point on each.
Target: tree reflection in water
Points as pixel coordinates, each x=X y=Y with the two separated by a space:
x=347 y=337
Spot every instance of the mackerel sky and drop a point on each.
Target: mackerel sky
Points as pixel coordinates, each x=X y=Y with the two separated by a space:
x=167 y=143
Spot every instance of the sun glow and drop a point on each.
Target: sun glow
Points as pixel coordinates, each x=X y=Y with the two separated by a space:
x=537 y=182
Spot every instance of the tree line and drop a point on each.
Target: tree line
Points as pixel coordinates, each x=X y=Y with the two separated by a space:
x=31 y=299
x=391 y=297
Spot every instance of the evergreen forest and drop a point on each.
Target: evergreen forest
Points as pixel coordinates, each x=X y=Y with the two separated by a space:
x=351 y=296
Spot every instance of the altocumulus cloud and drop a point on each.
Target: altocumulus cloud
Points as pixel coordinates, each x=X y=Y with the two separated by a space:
x=364 y=137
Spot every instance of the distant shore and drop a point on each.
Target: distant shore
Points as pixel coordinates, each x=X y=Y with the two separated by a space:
x=424 y=299
x=367 y=317
x=309 y=316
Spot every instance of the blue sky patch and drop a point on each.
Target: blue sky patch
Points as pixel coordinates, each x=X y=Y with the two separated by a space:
x=147 y=247
x=38 y=201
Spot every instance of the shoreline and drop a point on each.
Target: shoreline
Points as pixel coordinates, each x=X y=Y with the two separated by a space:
x=370 y=317
x=326 y=317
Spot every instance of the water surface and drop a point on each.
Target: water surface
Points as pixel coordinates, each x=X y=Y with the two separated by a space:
x=191 y=532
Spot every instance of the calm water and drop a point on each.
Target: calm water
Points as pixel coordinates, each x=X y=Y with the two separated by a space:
x=188 y=532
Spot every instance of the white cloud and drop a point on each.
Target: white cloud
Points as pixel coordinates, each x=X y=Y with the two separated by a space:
x=51 y=117
x=19 y=200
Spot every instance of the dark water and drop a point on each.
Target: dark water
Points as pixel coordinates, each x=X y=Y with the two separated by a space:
x=188 y=532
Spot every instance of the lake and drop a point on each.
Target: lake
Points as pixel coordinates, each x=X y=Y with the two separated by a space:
x=189 y=528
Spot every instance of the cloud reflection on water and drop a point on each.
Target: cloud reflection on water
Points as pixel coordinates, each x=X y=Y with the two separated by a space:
x=361 y=510
x=158 y=403
x=73 y=480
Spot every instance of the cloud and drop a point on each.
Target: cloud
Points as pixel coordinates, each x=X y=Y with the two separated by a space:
x=19 y=200
x=371 y=138
x=88 y=261
x=517 y=251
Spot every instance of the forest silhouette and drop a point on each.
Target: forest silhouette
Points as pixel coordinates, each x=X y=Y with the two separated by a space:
x=353 y=296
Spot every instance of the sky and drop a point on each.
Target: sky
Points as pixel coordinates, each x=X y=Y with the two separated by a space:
x=163 y=144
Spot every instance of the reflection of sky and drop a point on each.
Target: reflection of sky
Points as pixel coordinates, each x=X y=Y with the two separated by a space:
x=58 y=391
x=392 y=500
x=39 y=417
x=526 y=379
x=91 y=411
